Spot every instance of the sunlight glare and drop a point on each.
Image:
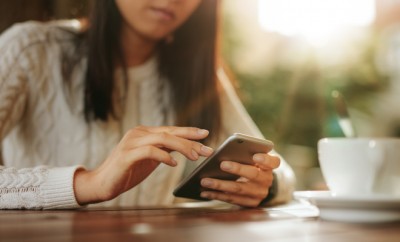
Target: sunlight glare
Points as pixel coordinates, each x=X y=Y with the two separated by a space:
x=315 y=20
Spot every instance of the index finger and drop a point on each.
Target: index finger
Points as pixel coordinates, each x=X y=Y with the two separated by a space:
x=182 y=132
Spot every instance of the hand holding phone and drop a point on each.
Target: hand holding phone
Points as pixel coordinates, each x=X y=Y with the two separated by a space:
x=238 y=148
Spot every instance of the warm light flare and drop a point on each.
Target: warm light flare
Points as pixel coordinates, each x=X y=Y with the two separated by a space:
x=315 y=20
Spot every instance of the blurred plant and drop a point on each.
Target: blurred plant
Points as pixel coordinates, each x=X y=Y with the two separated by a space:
x=291 y=105
x=360 y=82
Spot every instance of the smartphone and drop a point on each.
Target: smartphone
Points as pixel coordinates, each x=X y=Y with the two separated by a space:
x=238 y=148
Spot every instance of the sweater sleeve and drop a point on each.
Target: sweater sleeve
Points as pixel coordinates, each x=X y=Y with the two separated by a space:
x=37 y=188
x=235 y=118
x=40 y=187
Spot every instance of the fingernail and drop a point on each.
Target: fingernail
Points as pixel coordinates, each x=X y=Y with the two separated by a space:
x=205 y=195
x=226 y=165
x=195 y=155
x=205 y=150
x=174 y=162
x=258 y=158
x=206 y=183
x=202 y=131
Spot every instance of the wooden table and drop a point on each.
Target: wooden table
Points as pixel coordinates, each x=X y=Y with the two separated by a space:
x=219 y=223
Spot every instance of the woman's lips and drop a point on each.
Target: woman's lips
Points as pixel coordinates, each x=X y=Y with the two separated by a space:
x=163 y=14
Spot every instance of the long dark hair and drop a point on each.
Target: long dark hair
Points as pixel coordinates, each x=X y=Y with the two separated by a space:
x=188 y=63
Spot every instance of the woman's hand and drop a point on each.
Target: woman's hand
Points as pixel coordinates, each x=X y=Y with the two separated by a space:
x=137 y=155
x=252 y=186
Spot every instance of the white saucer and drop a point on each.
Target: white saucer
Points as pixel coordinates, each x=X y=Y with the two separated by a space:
x=365 y=209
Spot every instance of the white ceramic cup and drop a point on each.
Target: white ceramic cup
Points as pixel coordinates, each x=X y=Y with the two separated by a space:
x=361 y=166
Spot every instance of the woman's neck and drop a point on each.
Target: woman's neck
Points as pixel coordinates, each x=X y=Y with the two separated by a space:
x=136 y=49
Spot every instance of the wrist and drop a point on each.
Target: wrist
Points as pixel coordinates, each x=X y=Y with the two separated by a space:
x=83 y=187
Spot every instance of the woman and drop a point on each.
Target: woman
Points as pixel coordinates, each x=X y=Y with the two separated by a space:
x=77 y=103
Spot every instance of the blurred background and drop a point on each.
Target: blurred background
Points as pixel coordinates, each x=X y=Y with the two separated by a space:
x=287 y=56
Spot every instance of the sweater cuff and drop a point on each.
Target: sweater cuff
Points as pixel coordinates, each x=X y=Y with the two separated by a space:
x=286 y=183
x=58 y=189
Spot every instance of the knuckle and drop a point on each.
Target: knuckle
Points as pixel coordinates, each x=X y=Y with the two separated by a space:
x=133 y=132
x=237 y=188
x=195 y=146
x=228 y=198
x=276 y=161
x=236 y=168
x=192 y=130
x=186 y=130
x=148 y=150
x=216 y=185
x=188 y=147
x=263 y=193
x=173 y=129
x=163 y=135
x=212 y=195
x=256 y=174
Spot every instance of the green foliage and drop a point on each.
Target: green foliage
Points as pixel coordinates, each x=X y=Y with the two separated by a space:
x=292 y=105
x=263 y=96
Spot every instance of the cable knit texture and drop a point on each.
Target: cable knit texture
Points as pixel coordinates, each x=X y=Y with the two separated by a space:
x=21 y=186
x=37 y=188
x=42 y=122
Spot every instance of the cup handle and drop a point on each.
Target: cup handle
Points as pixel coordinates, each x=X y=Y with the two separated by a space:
x=376 y=155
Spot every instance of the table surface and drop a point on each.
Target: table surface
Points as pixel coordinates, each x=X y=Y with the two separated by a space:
x=190 y=223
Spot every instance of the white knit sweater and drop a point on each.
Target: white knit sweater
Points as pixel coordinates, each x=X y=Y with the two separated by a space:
x=45 y=137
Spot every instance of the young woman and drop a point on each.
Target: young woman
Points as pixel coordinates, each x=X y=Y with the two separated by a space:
x=113 y=112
